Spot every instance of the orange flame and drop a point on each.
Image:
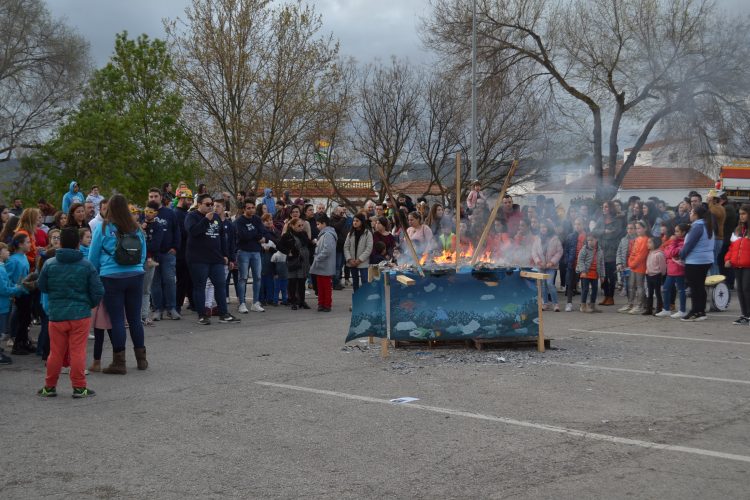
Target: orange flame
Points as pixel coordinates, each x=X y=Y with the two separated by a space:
x=450 y=257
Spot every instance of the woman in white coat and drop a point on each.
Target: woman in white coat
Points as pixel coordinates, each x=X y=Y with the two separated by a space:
x=357 y=249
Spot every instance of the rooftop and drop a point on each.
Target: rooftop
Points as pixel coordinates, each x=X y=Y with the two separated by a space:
x=640 y=178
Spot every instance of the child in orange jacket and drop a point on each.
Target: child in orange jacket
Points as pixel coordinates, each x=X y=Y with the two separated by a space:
x=637 y=257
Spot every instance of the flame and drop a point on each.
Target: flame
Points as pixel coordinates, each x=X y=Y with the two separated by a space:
x=450 y=257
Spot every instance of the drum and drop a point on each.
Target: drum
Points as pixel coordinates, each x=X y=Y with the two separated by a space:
x=719 y=295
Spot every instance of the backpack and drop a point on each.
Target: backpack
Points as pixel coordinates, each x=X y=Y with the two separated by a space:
x=128 y=249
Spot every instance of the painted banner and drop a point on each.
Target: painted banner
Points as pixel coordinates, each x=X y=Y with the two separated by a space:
x=448 y=306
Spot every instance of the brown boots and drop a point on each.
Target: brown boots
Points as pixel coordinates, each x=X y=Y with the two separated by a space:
x=140 y=357
x=607 y=301
x=96 y=366
x=118 y=364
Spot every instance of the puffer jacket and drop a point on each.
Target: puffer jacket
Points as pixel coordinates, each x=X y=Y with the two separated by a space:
x=739 y=252
x=72 y=284
x=551 y=251
x=698 y=248
x=570 y=255
x=586 y=259
x=672 y=250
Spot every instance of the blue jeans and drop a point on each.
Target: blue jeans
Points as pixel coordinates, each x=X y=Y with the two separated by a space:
x=585 y=284
x=164 y=286
x=357 y=275
x=122 y=298
x=200 y=273
x=548 y=288
x=252 y=261
x=339 y=266
x=718 y=245
x=667 y=291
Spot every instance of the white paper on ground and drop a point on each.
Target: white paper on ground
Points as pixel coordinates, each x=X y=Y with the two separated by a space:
x=400 y=401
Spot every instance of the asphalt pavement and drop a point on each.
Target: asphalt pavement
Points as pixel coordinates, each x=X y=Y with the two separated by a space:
x=278 y=407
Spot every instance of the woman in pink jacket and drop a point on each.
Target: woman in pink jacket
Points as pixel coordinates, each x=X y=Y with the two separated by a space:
x=545 y=254
x=675 y=273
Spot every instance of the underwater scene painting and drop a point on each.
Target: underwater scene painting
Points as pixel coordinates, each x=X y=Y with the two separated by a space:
x=449 y=306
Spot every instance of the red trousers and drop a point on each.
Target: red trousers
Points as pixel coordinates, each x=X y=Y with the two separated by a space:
x=68 y=337
x=325 y=291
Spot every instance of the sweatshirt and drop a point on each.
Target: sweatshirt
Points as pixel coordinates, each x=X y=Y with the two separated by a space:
x=638 y=255
x=698 y=248
x=17 y=268
x=102 y=251
x=671 y=252
x=656 y=263
x=205 y=241
x=71 y=197
x=8 y=289
x=154 y=234
x=171 y=230
x=622 y=251
x=249 y=233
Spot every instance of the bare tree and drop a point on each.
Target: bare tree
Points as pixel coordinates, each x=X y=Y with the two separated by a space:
x=624 y=59
x=43 y=66
x=250 y=75
x=387 y=115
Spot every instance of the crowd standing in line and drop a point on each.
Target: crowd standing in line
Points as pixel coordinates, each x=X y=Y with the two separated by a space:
x=108 y=264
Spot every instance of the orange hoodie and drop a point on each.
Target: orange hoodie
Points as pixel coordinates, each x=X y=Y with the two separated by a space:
x=638 y=255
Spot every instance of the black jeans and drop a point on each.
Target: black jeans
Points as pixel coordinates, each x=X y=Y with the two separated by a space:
x=695 y=278
x=296 y=289
x=184 y=286
x=653 y=287
x=610 y=279
x=742 y=275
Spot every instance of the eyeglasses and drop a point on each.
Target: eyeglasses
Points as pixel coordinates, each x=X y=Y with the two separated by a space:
x=55 y=238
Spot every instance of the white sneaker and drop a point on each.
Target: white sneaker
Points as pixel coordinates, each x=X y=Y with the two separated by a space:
x=257 y=308
x=625 y=308
x=568 y=307
x=91 y=336
x=663 y=313
x=679 y=315
x=242 y=308
x=635 y=310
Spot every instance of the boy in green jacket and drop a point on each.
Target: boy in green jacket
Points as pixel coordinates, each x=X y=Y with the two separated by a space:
x=74 y=288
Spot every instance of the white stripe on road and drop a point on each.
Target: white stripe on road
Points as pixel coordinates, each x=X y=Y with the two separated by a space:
x=670 y=337
x=647 y=372
x=519 y=423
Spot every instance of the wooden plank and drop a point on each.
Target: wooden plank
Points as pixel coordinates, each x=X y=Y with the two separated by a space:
x=405 y=280
x=534 y=276
x=458 y=212
x=540 y=339
x=491 y=220
x=397 y=219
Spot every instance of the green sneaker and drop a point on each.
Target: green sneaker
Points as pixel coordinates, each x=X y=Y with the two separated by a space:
x=47 y=392
x=83 y=392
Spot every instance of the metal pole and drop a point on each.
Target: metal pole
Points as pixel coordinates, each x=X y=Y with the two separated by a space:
x=474 y=92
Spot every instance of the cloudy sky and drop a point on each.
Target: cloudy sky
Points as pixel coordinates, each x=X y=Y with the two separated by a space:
x=367 y=29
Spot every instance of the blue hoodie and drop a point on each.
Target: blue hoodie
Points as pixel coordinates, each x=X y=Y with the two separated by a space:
x=698 y=248
x=205 y=242
x=268 y=201
x=171 y=237
x=71 y=197
x=102 y=250
x=17 y=268
x=8 y=289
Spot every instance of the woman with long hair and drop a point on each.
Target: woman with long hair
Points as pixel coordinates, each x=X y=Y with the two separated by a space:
x=738 y=258
x=28 y=225
x=382 y=233
x=59 y=221
x=546 y=254
x=77 y=216
x=6 y=235
x=420 y=233
x=123 y=282
x=4 y=216
x=609 y=231
x=358 y=248
x=295 y=244
x=698 y=255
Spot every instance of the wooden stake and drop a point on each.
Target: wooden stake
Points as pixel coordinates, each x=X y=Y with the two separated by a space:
x=540 y=339
x=498 y=204
x=387 y=302
x=458 y=212
x=409 y=243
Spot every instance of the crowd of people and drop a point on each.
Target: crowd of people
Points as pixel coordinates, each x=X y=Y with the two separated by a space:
x=110 y=265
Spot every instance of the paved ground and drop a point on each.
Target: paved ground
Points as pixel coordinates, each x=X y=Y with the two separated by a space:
x=277 y=407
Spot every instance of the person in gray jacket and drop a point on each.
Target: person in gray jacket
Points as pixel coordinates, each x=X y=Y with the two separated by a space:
x=357 y=249
x=324 y=263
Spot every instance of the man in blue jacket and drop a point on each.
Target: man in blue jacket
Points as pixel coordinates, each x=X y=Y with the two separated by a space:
x=164 y=286
x=74 y=195
x=249 y=230
x=206 y=255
